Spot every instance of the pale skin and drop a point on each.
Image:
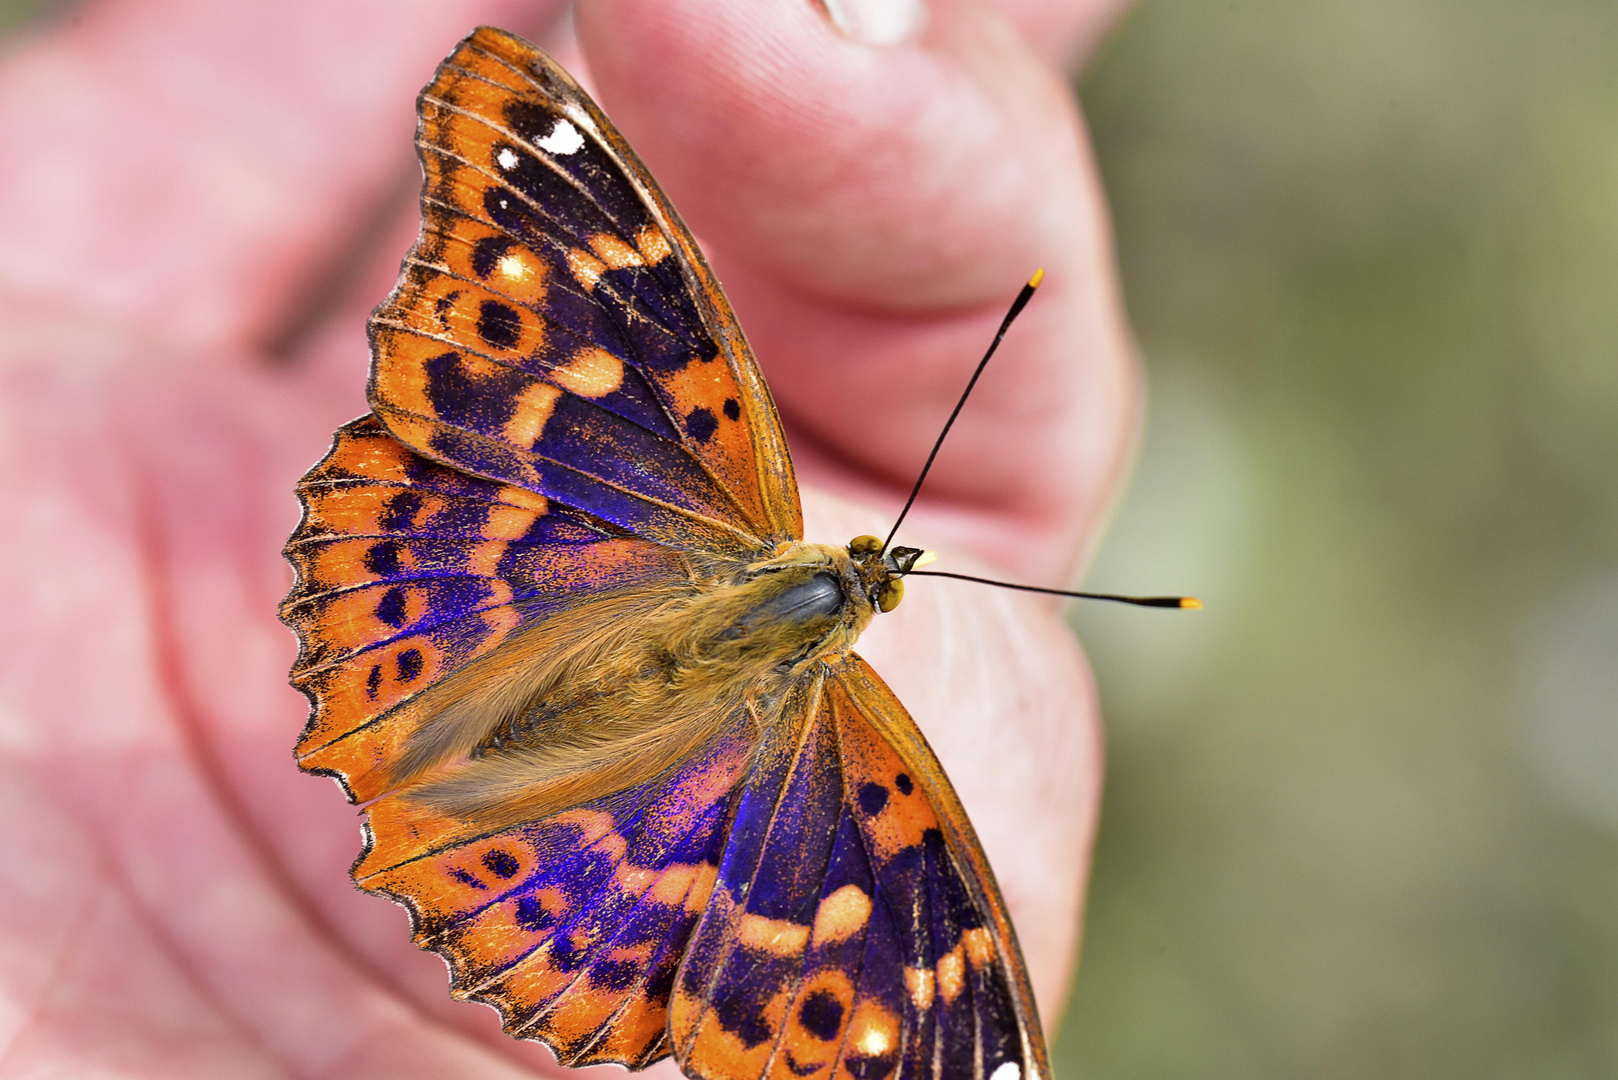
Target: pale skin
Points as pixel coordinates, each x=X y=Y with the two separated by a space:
x=180 y=178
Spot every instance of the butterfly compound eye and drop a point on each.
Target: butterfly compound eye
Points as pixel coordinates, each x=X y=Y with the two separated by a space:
x=864 y=545
x=893 y=591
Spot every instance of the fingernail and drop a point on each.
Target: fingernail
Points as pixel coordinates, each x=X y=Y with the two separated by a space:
x=877 y=22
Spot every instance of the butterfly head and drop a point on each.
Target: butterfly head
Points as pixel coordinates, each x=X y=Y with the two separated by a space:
x=882 y=570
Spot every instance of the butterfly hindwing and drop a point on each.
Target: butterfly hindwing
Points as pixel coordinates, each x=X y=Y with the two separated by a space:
x=854 y=931
x=572 y=926
x=983 y=1011
x=556 y=328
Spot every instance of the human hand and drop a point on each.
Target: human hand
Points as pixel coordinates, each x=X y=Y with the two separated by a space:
x=188 y=247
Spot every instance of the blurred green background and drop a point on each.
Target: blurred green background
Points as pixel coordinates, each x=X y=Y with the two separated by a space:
x=1362 y=811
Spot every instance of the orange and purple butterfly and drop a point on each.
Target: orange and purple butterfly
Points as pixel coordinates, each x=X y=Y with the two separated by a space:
x=567 y=646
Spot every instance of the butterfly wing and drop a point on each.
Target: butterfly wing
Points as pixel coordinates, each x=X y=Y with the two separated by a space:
x=556 y=328
x=855 y=930
x=572 y=927
x=574 y=398
x=408 y=572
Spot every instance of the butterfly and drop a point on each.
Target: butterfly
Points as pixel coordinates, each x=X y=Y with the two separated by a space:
x=565 y=644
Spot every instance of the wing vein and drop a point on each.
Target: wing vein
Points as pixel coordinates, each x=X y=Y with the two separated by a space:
x=632 y=303
x=775 y=809
x=746 y=538
x=541 y=155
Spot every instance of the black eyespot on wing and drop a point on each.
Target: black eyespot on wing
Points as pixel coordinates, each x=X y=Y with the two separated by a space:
x=821 y=1015
x=382 y=558
x=502 y=864
x=391 y=609
x=499 y=324
x=410 y=664
x=701 y=424
x=873 y=797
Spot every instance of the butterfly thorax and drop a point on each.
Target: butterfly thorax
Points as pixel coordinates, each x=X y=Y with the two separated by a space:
x=598 y=700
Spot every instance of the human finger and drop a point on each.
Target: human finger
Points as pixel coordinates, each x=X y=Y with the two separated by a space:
x=872 y=209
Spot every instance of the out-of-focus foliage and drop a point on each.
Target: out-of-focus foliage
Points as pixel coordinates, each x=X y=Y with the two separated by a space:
x=16 y=14
x=1362 y=812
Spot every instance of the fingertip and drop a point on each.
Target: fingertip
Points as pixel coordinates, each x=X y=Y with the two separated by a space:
x=876 y=22
x=925 y=172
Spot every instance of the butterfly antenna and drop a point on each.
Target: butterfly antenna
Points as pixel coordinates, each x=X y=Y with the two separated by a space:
x=910 y=559
x=1190 y=603
x=1017 y=305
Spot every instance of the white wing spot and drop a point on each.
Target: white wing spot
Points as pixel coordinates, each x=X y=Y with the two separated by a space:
x=507 y=158
x=563 y=139
x=1008 y=1070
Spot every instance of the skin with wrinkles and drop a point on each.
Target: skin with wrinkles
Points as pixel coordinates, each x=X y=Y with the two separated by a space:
x=201 y=207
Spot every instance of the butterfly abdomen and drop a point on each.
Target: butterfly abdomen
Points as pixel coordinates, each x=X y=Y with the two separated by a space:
x=605 y=698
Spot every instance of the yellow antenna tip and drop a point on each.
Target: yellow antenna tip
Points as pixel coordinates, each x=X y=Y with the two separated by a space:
x=1039 y=275
x=1190 y=603
x=926 y=558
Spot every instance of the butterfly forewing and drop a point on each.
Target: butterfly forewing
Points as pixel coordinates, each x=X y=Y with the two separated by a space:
x=555 y=327
x=850 y=934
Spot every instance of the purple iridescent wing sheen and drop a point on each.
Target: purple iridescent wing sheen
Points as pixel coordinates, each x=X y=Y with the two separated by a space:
x=556 y=328
x=572 y=926
x=409 y=571
x=855 y=929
